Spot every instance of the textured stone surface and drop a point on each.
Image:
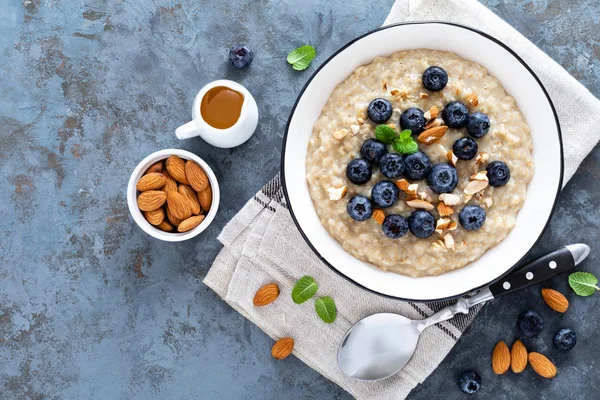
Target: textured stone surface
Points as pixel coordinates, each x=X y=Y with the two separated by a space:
x=91 y=307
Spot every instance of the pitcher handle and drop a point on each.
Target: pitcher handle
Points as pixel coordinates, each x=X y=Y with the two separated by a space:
x=187 y=131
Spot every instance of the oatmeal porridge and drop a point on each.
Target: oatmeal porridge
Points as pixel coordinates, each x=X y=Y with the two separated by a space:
x=430 y=211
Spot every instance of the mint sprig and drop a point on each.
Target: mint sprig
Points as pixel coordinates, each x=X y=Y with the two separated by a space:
x=583 y=283
x=325 y=307
x=301 y=57
x=405 y=144
x=385 y=134
x=305 y=288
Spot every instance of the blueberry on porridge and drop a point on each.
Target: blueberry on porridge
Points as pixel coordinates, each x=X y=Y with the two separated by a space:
x=465 y=148
x=419 y=162
x=391 y=165
x=380 y=110
x=413 y=119
x=455 y=114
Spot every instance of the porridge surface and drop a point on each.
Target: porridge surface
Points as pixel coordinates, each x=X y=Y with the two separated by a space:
x=508 y=140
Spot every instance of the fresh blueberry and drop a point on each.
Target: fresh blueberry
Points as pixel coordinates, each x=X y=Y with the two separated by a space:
x=394 y=226
x=359 y=171
x=380 y=110
x=421 y=224
x=391 y=165
x=530 y=323
x=565 y=339
x=417 y=166
x=240 y=56
x=498 y=173
x=478 y=125
x=443 y=178
x=455 y=114
x=413 y=119
x=469 y=382
x=465 y=148
x=471 y=217
x=372 y=150
x=385 y=194
x=360 y=208
x=435 y=79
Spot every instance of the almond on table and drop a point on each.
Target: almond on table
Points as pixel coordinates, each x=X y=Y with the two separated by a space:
x=282 y=348
x=266 y=295
x=500 y=358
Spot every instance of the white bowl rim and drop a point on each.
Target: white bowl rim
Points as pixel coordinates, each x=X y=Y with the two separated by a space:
x=314 y=74
x=137 y=214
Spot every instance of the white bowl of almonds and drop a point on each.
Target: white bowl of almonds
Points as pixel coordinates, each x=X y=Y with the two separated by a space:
x=173 y=195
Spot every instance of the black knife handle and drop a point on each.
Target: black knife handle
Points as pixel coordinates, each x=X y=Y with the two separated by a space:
x=537 y=271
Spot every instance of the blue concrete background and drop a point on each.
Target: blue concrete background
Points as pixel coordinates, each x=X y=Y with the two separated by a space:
x=92 y=308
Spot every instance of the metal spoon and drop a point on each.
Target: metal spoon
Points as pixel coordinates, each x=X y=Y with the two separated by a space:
x=380 y=345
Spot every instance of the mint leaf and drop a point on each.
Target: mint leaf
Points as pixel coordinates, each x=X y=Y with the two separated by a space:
x=385 y=134
x=305 y=288
x=406 y=134
x=405 y=144
x=301 y=57
x=325 y=307
x=583 y=283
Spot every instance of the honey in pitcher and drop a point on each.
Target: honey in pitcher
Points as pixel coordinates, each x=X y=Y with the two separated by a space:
x=221 y=107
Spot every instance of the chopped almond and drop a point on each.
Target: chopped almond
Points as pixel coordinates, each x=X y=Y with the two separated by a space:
x=449 y=199
x=472 y=99
x=420 y=204
x=452 y=159
x=340 y=134
x=337 y=193
x=444 y=209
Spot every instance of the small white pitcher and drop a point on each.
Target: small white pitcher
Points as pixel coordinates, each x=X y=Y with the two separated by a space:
x=224 y=138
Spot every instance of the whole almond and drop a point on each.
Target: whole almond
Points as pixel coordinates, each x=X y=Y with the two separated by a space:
x=282 y=348
x=171 y=184
x=155 y=217
x=156 y=167
x=555 y=300
x=151 y=200
x=205 y=198
x=196 y=176
x=172 y=219
x=190 y=223
x=190 y=196
x=518 y=357
x=178 y=206
x=500 y=358
x=266 y=295
x=378 y=216
x=151 y=181
x=432 y=135
x=542 y=365
x=165 y=226
x=176 y=167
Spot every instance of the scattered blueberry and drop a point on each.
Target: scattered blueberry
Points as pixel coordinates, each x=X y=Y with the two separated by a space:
x=471 y=217
x=380 y=110
x=530 y=323
x=384 y=194
x=413 y=119
x=417 y=166
x=394 y=226
x=360 y=208
x=469 y=382
x=498 y=173
x=465 y=148
x=565 y=339
x=372 y=150
x=240 y=56
x=421 y=224
x=359 y=171
x=455 y=114
x=434 y=79
x=443 y=178
x=478 y=125
x=391 y=165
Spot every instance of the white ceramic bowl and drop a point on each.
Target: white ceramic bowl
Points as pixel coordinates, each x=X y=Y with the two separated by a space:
x=132 y=194
x=518 y=80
